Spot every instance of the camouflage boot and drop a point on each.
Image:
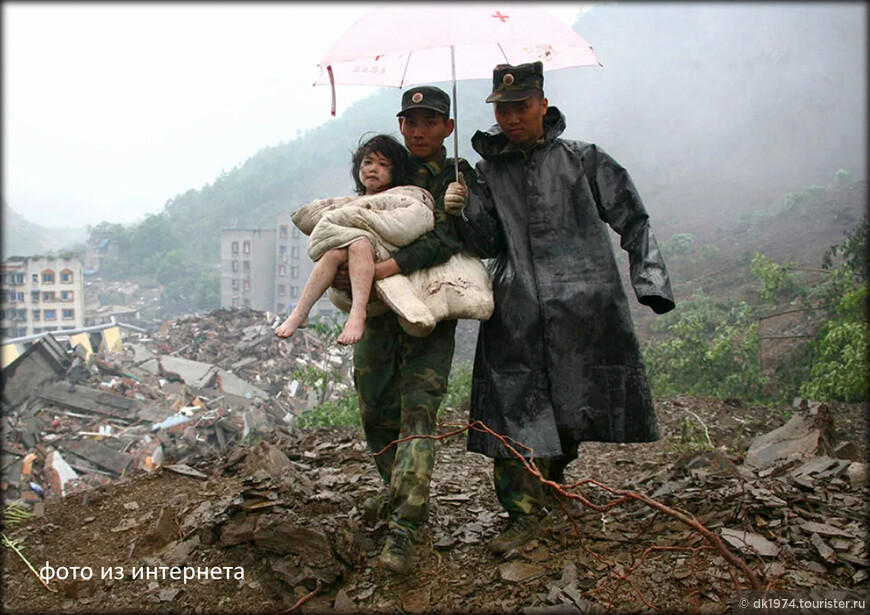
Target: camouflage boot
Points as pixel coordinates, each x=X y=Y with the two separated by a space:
x=520 y=530
x=398 y=552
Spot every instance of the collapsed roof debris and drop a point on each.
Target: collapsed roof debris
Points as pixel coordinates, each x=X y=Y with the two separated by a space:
x=76 y=418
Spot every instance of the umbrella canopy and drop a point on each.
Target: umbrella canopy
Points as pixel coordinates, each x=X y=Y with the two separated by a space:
x=405 y=45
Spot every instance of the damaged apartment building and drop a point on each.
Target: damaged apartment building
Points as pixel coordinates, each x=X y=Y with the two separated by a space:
x=41 y=294
x=266 y=269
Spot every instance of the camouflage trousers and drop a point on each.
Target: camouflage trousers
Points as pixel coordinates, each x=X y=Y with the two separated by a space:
x=401 y=380
x=518 y=490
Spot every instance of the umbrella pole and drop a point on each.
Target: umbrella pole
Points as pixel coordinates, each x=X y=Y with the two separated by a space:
x=455 y=115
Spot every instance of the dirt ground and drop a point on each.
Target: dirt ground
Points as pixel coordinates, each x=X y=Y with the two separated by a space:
x=587 y=561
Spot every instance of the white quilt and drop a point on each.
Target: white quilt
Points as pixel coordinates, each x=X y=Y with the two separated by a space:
x=458 y=288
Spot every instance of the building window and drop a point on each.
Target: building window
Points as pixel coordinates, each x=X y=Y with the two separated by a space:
x=295 y=232
x=282 y=252
x=66 y=276
x=246 y=286
x=36 y=315
x=50 y=314
x=235 y=266
x=35 y=278
x=48 y=276
x=235 y=302
x=235 y=247
x=235 y=285
x=21 y=297
x=34 y=296
x=282 y=290
x=246 y=247
x=283 y=231
x=66 y=295
x=294 y=252
x=19 y=278
x=294 y=272
x=294 y=292
x=280 y=308
x=282 y=270
x=246 y=266
x=68 y=314
x=247 y=303
x=48 y=295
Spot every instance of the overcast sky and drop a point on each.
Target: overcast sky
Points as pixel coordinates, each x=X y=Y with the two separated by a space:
x=111 y=109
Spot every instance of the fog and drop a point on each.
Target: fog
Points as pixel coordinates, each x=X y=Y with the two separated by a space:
x=715 y=108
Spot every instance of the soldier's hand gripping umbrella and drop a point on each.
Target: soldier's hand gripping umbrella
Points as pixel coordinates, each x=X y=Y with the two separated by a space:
x=455 y=42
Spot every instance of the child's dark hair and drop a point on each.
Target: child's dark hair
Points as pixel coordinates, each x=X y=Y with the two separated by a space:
x=386 y=146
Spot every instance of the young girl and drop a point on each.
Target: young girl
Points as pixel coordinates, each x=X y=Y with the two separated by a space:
x=378 y=164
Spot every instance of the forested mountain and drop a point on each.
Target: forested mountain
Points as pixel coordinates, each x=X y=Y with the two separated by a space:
x=716 y=110
x=21 y=238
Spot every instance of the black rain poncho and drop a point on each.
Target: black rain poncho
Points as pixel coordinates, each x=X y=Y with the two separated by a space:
x=559 y=354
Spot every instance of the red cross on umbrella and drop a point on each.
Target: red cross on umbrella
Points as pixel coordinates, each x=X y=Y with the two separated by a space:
x=459 y=42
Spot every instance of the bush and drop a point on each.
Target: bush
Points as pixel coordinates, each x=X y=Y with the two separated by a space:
x=458 y=386
x=708 y=252
x=680 y=243
x=343 y=412
x=842 y=177
x=713 y=351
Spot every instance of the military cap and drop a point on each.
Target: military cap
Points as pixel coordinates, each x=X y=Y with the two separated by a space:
x=425 y=97
x=512 y=83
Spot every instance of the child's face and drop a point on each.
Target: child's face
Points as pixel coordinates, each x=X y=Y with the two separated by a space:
x=375 y=173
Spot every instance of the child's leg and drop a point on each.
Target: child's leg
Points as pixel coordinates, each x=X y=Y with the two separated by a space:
x=317 y=284
x=361 y=261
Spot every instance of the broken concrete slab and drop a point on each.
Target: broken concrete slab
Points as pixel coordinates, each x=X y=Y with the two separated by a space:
x=45 y=361
x=804 y=435
x=821 y=467
x=100 y=455
x=517 y=571
x=750 y=543
x=193 y=373
x=230 y=383
x=91 y=401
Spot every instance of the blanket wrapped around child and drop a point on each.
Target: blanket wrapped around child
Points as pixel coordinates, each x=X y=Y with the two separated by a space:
x=458 y=288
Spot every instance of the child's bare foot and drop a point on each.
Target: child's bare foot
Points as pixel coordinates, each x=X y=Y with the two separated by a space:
x=353 y=330
x=289 y=326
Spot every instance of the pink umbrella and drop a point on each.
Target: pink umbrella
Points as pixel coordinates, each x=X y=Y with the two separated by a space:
x=404 y=45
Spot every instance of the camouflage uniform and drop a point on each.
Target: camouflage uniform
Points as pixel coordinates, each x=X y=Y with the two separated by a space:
x=401 y=379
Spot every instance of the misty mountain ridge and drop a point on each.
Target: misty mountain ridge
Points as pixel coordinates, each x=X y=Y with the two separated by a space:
x=715 y=110
x=24 y=238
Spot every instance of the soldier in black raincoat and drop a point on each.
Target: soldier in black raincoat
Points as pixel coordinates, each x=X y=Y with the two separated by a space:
x=558 y=362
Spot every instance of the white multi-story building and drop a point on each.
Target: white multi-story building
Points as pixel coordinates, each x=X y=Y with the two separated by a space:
x=292 y=268
x=248 y=268
x=267 y=269
x=41 y=294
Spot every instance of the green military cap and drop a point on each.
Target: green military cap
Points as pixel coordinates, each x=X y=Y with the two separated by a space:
x=512 y=83
x=425 y=97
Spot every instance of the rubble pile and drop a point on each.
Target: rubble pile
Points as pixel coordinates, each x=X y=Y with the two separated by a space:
x=74 y=420
x=288 y=508
x=796 y=506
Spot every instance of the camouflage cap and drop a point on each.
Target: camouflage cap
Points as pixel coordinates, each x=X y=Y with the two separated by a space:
x=512 y=83
x=425 y=97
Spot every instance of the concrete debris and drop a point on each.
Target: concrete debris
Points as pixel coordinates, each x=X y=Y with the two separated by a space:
x=806 y=433
x=189 y=391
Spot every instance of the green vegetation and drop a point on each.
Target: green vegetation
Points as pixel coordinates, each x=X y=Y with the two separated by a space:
x=458 y=386
x=712 y=348
x=681 y=243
